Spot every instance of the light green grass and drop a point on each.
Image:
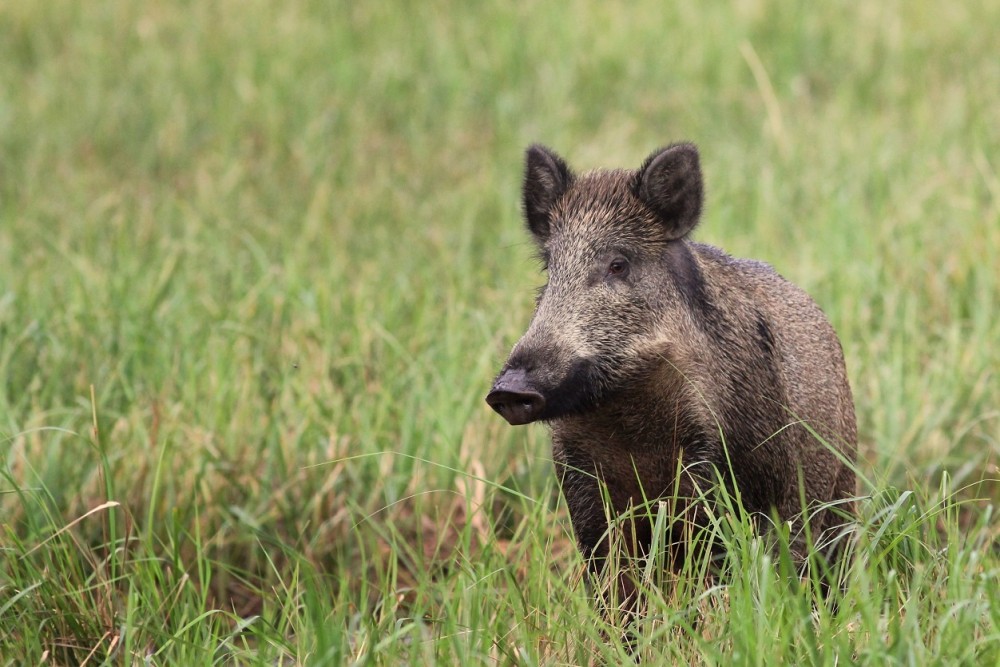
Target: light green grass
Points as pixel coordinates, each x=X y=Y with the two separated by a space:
x=281 y=242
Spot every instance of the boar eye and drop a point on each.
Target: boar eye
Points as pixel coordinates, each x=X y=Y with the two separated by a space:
x=618 y=267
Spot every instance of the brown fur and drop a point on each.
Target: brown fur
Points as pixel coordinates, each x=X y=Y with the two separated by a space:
x=685 y=357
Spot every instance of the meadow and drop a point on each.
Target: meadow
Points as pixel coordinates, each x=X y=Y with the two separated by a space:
x=260 y=261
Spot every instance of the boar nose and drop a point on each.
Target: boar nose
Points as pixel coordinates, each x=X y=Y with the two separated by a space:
x=514 y=399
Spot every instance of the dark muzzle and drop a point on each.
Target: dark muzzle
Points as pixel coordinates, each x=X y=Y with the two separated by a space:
x=514 y=399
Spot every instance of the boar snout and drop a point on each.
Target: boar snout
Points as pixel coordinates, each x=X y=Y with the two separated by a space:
x=514 y=398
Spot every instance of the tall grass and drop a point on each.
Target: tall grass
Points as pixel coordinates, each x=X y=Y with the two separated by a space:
x=259 y=262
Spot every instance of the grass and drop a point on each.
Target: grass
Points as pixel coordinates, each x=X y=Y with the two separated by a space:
x=259 y=262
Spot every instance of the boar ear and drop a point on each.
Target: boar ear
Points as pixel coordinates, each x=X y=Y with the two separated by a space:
x=669 y=182
x=546 y=179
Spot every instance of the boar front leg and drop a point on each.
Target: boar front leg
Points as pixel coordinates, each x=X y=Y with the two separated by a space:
x=615 y=591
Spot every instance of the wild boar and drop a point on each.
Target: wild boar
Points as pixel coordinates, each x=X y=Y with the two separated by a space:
x=663 y=365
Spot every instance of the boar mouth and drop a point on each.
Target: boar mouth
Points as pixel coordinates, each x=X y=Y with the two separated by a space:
x=521 y=397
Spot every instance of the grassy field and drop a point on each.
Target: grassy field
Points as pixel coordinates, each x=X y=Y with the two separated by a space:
x=259 y=262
